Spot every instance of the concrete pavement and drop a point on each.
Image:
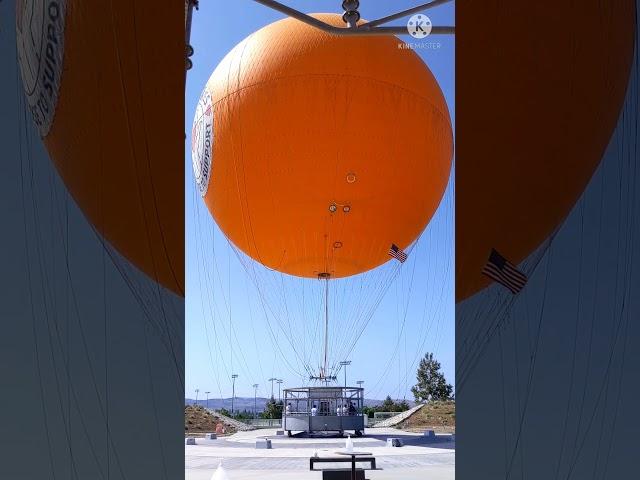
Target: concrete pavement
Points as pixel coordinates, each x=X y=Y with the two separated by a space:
x=289 y=458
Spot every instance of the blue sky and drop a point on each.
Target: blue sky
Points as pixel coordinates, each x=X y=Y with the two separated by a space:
x=226 y=326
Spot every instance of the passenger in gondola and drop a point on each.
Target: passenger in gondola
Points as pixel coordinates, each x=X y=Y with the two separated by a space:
x=314 y=410
x=352 y=409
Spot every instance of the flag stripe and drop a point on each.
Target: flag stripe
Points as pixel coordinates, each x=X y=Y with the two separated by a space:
x=514 y=272
x=397 y=253
x=505 y=273
x=500 y=274
x=501 y=279
x=514 y=277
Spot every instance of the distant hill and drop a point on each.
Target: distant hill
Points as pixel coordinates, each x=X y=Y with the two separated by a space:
x=239 y=403
x=246 y=403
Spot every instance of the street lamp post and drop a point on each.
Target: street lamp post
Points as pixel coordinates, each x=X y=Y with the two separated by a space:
x=279 y=382
x=255 y=397
x=207 y=393
x=360 y=382
x=344 y=363
x=272 y=380
x=197 y=391
x=233 y=394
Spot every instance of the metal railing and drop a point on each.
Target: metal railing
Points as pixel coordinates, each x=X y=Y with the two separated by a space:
x=264 y=422
x=379 y=417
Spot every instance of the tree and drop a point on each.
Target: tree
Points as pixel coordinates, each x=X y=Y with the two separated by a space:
x=431 y=382
x=388 y=405
x=369 y=411
x=273 y=409
x=243 y=415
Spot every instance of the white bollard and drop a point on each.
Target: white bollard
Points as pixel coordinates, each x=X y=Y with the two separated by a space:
x=210 y=436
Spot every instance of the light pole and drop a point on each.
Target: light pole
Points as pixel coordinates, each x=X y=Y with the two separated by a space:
x=272 y=380
x=344 y=363
x=279 y=382
x=197 y=390
x=233 y=394
x=207 y=399
x=255 y=396
x=360 y=382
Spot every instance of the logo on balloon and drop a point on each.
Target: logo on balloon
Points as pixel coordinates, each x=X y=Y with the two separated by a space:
x=202 y=142
x=419 y=26
x=40 y=43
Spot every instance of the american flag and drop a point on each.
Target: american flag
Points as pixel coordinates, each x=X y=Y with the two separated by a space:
x=504 y=272
x=397 y=253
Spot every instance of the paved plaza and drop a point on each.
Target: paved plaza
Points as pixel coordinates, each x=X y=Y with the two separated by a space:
x=419 y=458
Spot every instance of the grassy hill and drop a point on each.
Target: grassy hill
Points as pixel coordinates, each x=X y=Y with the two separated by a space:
x=197 y=422
x=437 y=416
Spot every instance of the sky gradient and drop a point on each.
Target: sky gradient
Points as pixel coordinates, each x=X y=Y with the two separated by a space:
x=415 y=316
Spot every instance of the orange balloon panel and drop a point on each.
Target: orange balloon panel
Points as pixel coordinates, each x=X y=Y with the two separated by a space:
x=295 y=123
x=105 y=88
x=540 y=86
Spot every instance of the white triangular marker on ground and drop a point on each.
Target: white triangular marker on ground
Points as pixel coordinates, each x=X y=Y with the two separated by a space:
x=349 y=446
x=220 y=473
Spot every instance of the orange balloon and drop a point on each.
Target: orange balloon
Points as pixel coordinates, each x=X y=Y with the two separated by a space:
x=105 y=88
x=315 y=153
x=540 y=86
